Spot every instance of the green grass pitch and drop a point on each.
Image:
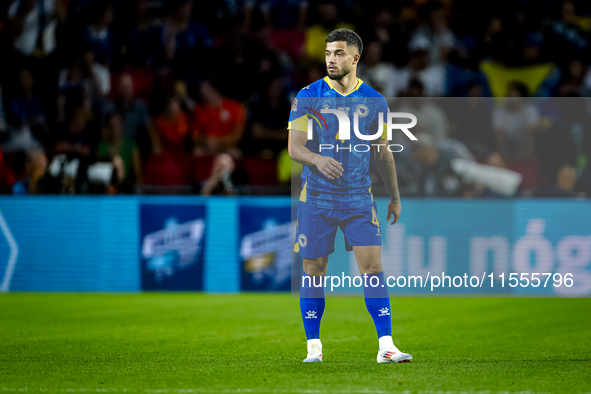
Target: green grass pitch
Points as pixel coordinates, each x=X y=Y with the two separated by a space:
x=195 y=343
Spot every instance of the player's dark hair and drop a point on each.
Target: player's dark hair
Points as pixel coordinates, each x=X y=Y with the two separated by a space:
x=348 y=36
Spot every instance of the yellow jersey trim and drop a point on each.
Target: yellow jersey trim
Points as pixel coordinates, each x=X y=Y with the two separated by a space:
x=384 y=135
x=359 y=82
x=304 y=192
x=300 y=124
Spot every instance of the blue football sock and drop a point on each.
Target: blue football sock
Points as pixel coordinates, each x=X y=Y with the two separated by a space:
x=377 y=301
x=312 y=304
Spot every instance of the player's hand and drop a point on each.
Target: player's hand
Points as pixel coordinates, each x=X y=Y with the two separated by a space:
x=329 y=167
x=393 y=211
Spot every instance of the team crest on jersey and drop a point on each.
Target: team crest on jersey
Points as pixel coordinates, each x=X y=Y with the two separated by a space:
x=302 y=240
x=326 y=106
x=362 y=110
x=294 y=106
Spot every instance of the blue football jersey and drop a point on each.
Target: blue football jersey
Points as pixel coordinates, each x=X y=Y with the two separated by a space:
x=353 y=188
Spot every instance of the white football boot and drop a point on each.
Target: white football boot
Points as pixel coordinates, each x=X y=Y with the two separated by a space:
x=393 y=355
x=314 y=351
x=389 y=353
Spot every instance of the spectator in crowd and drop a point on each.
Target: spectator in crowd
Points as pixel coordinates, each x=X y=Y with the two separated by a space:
x=233 y=16
x=492 y=41
x=566 y=39
x=35 y=178
x=3 y=123
x=219 y=123
x=436 y=177
x=514 y=123
x=566 y=122
x=26 y=113
x=173 y=128
x=386 y=27
x=435 y=31
x=96 y=75
x=73 y=91
x=267 y=126
x=379 y=75
x=137 y=123
x=496 y=160
x=566 y=179
x=114 y=147
x=328 y=15
x=471 y=122
x=181 y=37
x=181 y=93
x=75 y=138
x=143 y=38
x=220 y=182
x=99 y=35
x=314 y=70
x=431 y=119
x=33 y=25
x=7 y=178
x=576 y=80
x=419 y=67
x=27 y=109
x=287 y=20
x=86 y=74
x=57 y=84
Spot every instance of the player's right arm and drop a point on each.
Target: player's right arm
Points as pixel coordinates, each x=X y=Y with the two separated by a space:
x=298 y=136
x=298 y=151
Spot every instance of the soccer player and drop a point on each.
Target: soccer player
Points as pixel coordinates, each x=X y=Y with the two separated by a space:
x=336 y=188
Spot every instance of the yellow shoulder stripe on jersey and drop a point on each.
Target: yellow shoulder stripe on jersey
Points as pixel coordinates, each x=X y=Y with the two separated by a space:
x=359 y=82
x=300 y=124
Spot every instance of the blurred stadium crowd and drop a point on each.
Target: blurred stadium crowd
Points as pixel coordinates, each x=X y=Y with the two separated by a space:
x=193 y=96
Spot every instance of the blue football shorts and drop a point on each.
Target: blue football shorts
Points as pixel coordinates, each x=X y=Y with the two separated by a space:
x=317 y=228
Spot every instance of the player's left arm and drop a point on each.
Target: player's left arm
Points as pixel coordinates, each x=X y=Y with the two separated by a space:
x=387 y=169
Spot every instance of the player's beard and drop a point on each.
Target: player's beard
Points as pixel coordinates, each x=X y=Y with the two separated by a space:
x=338 y=76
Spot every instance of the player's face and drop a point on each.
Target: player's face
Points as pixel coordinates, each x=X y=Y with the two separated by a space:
x=340 y=59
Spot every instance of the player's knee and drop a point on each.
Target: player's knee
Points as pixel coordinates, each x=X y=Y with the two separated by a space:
x=371 y=267
x=315 y=267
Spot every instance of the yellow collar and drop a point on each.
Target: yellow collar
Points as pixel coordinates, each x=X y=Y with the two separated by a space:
x=359 y=82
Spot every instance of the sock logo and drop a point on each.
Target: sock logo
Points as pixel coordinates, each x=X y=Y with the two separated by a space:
x=311 y=315
x=384 y=312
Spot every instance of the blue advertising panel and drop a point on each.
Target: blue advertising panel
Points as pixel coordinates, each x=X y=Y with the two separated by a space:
x=68 y=243
x=553 y=236
x=265 y=252
x=129 y=243
x=172 y=243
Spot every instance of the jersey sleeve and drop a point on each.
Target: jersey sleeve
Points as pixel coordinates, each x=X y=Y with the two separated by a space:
x=298 y=117
x=382 y=105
